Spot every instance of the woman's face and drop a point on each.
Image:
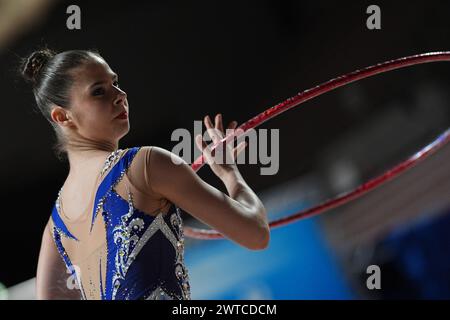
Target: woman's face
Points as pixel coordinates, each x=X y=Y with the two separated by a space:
x=99 y=108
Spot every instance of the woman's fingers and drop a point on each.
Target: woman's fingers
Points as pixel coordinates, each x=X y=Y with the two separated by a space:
x=241 y=146
x=200 y=143
x=218 y=121
x=209 y=125
x=208 y=122
x=213 y=132
x=216 y=131
x=206 y=150
x=209 y=154
x=215 y=135
x=232 y=125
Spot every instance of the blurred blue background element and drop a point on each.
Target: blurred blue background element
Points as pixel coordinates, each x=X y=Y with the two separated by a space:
x=418 y=256
x=297 y=265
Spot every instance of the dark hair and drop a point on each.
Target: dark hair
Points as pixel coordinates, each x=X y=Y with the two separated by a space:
x=49 y=74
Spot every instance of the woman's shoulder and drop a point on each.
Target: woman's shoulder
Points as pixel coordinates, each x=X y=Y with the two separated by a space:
x=148 y=160
x=154 y=163
x=155 y=156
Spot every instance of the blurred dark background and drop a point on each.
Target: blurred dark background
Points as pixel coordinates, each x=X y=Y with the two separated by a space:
x=180 y=60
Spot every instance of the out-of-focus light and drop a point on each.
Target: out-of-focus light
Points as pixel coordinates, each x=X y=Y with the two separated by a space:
x=3 y=292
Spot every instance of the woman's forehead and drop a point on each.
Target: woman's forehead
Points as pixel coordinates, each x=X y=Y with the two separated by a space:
x=93 y=71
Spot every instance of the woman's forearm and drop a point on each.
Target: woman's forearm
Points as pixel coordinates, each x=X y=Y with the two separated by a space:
x=239 y=190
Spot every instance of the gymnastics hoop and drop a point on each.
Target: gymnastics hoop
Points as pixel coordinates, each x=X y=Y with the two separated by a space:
x=306 y=95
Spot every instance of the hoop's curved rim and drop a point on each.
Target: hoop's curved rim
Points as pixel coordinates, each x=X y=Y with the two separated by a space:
x=306 y=95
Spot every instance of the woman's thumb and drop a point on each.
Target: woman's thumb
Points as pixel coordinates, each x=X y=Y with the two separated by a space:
x=241 y=146
x=198 y=141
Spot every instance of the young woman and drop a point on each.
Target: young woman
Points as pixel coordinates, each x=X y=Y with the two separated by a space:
x=115 y=231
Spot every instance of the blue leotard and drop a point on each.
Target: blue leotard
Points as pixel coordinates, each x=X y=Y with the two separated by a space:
x=144 y=253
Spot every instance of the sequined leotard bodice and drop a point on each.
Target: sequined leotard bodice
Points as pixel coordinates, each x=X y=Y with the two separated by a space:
x=121 y=252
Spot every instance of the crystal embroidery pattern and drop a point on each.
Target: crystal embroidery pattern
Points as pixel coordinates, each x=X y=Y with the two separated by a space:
x=128 y=230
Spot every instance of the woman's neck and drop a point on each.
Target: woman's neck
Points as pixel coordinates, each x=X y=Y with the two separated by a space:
x=84 y=156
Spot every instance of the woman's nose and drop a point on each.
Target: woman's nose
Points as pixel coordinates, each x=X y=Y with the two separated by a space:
x=121 y=96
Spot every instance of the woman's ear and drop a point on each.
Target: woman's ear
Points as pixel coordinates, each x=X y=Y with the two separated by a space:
x=61 y=116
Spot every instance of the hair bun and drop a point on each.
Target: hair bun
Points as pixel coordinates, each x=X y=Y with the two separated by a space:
x=35 y=62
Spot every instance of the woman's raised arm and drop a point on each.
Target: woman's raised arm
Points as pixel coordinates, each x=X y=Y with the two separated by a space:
x=240 y=215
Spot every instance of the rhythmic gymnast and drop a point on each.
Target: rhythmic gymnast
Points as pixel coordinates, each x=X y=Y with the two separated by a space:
x=86 y=139
x=115 y=231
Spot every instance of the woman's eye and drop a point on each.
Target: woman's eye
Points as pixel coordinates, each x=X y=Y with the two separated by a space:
x=116 y=84
x=98 y=92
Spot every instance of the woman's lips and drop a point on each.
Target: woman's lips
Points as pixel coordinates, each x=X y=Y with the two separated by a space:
x=123 y=115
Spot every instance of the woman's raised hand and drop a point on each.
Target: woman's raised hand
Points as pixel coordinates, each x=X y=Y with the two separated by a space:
x=221 y=160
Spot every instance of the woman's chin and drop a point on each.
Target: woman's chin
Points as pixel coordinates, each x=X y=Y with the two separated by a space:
x=125 y=132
